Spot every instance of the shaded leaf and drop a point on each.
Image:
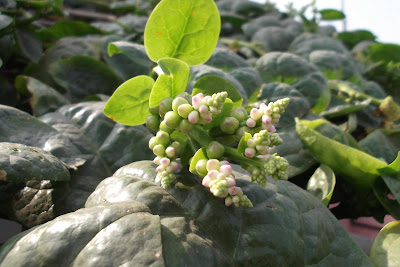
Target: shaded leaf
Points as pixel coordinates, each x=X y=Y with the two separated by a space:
x=62 y=29
x=30 y=45
x=82 y=76
x=382 y=143
x=20 y=163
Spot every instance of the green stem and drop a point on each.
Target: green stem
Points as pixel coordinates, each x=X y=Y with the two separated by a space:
x=235 y=43
x=201 y=136
x=343 y=87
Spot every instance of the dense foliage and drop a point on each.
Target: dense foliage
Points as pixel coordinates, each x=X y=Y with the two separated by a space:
x=64 y=63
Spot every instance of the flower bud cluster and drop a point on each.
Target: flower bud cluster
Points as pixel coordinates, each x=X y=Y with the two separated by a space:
x=166 y=153
x=260 y=143
x=267 y=115
x=222 y=183
x=204 y=106
x=274 y=166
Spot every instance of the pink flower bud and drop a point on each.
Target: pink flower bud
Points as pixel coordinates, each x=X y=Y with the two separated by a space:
x=156 y=160
x=170 y=152
x=251 y=143
x=224 y=162
x=250 y=152
x=263 y=107
x=203 y=109
x=262 y=150
x=212 y=174
x=213 y=164
x=232 y=190
x=196 y=101
x=251 y=123
x=193 y=117
x=266 y=119
x=169 y=169
x=160 y=168
x=175 y=165
x=231 y=182
x=206 y=181
x=235 y=199
x=165 y=162
x=268 y=111
x=228 y=201
x=255 y=114
x=226 y=169
x=272 y=129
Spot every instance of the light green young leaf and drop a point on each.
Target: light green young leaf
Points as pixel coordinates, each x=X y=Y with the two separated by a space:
x=386 y=248
x=243 y=142
x=172 y=83
x=185 y=29
x=129 y=104
x=322 y=183
x=212 y=84
x=331 y=14
x=200 y=154
x=358 y=168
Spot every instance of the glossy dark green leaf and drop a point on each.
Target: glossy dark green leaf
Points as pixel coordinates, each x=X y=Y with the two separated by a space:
x=129 y=104
x=186 y=225
x=126 y=58
x=5 y=21
x=226 y=59
x=384 y=195
x=331 y=14
x=212 y=84
x=273 y=38
x=322 y=183
x=62 y=29
x=385 y=250
x=17 y=127
x=359 y=168
x=82 y=76
x=249 y=78
x=384 y=52
x=43 y=98
x=186 y=30
x=171 y=83
x=30 y=45
x=382 y=143
x=20 y=163
x=352 y=38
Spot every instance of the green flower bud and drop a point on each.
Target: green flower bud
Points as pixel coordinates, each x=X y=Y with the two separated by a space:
x=229 y=125
x=186 y=96
x=153 y=122
x=185 y=126
x=159 y=150
x=170 y=152
x=201 y=167
x=177 y=102
x=162 y=138
x=213 y=164
x=240 y=114
x=153 y=142
x=178 y=147
x=155 y=111
x=184 y=110
x=165 y=106
x=172 y=119
x=165 y=128
x=215 y=150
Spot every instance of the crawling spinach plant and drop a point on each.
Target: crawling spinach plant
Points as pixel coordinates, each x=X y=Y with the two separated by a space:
x=209 y=126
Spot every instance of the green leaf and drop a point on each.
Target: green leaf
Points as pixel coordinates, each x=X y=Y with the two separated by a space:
x=186 y=225
x=43 y=98
x=345 y=108
x=127 y=59
x=322 y=183
x=212 y=84
x=186 y=30
x=385 y=250
x=83 y=76
x=243 y=142
x=62 y=29
x=129 y=104
x=172 y=83
x=200 y=154
x=331 y=14
x=358 y=168
x=385 y=198
x=30 y=45
x=5 y=21
x=382 y=143
x=20 y=163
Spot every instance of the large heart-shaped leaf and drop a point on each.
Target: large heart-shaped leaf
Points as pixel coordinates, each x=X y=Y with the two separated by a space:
x=186 y=30
x=186 y=225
